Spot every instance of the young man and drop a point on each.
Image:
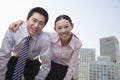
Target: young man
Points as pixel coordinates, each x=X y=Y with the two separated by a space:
x=39 y=48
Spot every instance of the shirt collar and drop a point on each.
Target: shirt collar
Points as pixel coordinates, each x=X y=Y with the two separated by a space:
x=71 y=43
x=24 y=32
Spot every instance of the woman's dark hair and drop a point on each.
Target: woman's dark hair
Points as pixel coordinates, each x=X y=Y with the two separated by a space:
x=63 y=17
x=39 y=10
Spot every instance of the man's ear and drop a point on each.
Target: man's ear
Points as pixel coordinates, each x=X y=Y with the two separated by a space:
x=72 y=25
x=26 y=19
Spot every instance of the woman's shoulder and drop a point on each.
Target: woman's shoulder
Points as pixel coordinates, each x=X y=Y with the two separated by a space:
x=53 y=35
x=76 y=40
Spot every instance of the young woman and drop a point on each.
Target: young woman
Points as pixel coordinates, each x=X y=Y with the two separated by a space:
x=65 y=46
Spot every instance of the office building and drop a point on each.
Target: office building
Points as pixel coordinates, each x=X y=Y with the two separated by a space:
x=109 y=46
x=86 y=55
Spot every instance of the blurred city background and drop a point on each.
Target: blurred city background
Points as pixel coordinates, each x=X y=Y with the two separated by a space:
x=96 y=23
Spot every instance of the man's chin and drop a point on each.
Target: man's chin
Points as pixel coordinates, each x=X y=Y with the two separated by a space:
x=33 y=34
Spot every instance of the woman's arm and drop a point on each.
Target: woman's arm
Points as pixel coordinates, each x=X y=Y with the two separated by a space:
x=15 y=25
x=73 y=61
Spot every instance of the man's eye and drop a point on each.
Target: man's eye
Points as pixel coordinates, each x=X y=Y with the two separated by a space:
x=41 y=23
x=34 y=20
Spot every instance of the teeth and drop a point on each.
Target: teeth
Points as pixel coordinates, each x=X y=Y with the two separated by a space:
x=64 y=35
x=34 y=30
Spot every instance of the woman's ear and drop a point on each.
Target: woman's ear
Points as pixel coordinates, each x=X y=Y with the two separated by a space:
x=54 y=29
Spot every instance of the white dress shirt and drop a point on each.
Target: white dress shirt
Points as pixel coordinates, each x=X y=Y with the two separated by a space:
x=40 y=48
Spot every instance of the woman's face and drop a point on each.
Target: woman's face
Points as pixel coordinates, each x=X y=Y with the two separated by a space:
x=63 y=28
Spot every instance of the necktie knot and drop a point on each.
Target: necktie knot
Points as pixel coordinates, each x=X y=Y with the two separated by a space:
x=28 y=38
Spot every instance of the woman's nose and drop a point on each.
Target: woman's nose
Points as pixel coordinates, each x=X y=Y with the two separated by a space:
x=63 y=30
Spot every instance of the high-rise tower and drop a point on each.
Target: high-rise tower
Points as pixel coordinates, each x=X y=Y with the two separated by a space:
x=109 y=46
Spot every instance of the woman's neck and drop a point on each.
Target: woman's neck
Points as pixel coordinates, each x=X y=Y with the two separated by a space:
x=66 y=42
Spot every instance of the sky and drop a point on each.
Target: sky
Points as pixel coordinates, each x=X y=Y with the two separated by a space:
x=92 y=19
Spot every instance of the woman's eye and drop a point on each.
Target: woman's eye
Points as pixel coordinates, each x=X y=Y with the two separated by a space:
x=59 y=28
x=66 y=26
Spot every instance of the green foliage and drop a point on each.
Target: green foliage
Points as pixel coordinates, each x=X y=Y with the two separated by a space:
x=75 y=78
x=23 y=78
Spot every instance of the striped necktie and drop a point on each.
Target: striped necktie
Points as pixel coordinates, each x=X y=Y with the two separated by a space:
x=19 y=68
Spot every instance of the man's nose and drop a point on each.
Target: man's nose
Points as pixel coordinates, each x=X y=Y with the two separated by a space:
x=36 y=24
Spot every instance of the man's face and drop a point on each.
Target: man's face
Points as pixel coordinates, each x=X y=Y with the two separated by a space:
x=35 y=24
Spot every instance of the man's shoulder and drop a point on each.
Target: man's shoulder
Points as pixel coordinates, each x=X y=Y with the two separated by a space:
x=44 y=36
x=22 y=27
